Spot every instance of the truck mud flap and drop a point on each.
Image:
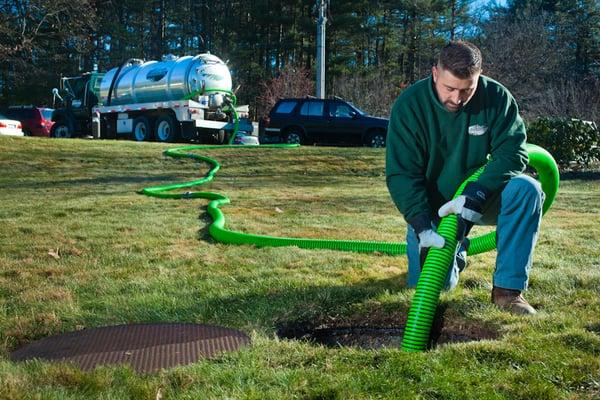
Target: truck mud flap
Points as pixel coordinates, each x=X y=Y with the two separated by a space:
x=188 y=130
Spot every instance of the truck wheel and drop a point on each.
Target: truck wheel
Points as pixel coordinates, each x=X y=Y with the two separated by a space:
x=220 y=137
x=62 y=130
x=376 y=139
x=142 y=130
x=293 y=136
x=167 y=129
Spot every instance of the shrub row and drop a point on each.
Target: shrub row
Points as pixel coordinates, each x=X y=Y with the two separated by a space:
x=570 y=141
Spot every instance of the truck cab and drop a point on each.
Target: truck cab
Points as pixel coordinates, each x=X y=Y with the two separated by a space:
x=78 y=95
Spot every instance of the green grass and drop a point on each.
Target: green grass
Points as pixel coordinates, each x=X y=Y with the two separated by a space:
x=120 y=257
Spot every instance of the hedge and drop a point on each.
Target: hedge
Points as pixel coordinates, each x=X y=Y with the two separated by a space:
x=570 y=141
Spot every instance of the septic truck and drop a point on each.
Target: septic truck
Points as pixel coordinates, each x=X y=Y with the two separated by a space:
x=176 y=99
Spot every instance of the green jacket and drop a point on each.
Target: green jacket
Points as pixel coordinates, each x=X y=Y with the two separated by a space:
x=431 y=151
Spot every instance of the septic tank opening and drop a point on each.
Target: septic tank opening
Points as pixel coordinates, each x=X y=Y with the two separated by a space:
x=445 y=330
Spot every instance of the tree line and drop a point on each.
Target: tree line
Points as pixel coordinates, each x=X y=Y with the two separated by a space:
x=547 y=52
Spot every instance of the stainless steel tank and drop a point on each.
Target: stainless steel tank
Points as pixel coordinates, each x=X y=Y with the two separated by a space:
x=171 y=79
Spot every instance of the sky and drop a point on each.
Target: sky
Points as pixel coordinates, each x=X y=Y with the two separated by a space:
x=483 y=3
x=479 y=3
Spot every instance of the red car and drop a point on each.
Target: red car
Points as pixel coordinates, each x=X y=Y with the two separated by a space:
x=36 y=121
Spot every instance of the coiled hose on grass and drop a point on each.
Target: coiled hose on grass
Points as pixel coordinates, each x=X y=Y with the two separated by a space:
x=217 y=228
x=436 y=265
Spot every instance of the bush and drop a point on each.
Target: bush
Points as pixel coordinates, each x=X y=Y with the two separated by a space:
x=568 y=140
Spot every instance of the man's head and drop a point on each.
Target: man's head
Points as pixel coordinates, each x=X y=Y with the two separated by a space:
x=456 y=74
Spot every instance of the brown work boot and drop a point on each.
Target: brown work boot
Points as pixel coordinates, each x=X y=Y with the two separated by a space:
x=511 y=300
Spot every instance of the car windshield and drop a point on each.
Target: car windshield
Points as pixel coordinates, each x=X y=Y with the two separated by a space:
x=361 y=112
x=2 y=116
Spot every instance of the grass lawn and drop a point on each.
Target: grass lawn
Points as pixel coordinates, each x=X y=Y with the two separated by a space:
x=79 y=248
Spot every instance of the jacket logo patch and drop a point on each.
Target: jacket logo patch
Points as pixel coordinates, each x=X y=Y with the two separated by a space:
x=477 y=130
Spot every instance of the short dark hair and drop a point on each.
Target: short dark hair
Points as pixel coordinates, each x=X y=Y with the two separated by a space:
x=461 y=58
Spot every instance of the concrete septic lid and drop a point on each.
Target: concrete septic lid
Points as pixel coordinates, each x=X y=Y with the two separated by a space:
x=146 y=347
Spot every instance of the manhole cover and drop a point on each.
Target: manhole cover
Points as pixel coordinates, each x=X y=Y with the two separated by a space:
x=146 y=347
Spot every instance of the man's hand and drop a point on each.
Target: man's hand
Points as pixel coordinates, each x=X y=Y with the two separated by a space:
x=469 y=205
x=429 y=238
x=468 y=208
x=467 y=215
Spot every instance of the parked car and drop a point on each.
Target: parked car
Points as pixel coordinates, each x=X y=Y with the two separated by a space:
x=10 y=127
x=327 y=121
x=36 y=121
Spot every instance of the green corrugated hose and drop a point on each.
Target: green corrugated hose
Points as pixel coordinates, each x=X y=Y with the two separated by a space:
x=438 y=261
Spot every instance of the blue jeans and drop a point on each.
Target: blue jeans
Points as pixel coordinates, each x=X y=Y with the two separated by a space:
x=517 y=214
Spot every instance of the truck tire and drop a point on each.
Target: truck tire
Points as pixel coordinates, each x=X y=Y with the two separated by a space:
x=142 y=129
x=166 y=129
x=62 y=130
x=375 y=139
x=220 y=136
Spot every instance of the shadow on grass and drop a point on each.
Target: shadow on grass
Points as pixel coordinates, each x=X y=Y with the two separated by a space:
x=143 y=181
x=347 y=316
x=352 y=315
x=264 y=180
x=280 y=306
x=262 y=309
x=580 y=175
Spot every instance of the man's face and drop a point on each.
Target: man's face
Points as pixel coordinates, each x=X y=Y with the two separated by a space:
x=453 y=92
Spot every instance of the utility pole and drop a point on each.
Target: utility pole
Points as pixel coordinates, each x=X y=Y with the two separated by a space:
x=321 y=22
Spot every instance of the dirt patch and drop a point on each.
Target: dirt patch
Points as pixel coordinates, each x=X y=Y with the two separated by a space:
x=447 y=328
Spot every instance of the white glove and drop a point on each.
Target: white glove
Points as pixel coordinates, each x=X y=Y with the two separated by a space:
x=467 y=208
x=430 y=238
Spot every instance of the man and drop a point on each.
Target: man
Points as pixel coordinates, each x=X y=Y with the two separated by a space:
x=442 y=129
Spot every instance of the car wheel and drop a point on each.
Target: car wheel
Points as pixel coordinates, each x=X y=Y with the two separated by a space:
x=62 y=130
x=167 y=129
x=376 y=139
x=142 y=130
x=293 y=137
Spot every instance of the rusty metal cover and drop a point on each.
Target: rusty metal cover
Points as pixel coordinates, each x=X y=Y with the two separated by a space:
x=146 y=347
